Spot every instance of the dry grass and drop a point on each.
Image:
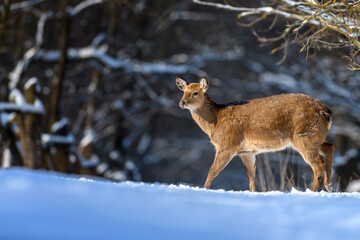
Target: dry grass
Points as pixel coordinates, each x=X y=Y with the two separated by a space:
x=288 y=171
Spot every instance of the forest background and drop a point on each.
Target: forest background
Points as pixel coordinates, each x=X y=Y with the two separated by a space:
x=88 y=86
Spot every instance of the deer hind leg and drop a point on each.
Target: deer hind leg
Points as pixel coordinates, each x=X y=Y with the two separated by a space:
x=222 y=158
x=317 y=165
x=250 y=167
x=327 y=151
x=309 y=150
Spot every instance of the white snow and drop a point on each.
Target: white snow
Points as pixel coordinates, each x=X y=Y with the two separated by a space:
x=88 y=138
x=351 y=153
x=4 y=118
x=59 y=124
x=6 y=158
x=57 y=139
x=43 y=205
x=18 y=103
x=39 y=105
x=17 y=97
x=278 y=79
x=31 y=82
x=354 y=186
x=23 y=4
x=37 y=108
x=82 y=6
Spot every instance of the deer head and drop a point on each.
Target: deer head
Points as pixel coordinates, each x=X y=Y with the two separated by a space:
x=194 y=93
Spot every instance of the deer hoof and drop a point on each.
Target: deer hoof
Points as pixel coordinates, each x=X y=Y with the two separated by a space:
x=329 y=188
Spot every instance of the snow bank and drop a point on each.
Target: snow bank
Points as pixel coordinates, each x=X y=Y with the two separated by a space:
x=43 y=205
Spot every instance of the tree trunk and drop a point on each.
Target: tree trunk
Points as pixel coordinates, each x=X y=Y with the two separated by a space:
x=112 y=18
x=59 y=77
x=86 y=149
x=4 y=17
x=29 y=135
x=8 y=141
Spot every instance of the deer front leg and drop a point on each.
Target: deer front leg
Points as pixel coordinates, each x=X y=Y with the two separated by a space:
x=222 y=158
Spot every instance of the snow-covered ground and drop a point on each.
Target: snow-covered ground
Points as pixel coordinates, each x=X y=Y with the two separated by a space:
x=42 y=205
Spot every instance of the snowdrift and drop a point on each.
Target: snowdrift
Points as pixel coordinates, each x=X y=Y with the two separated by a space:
x=44 y=205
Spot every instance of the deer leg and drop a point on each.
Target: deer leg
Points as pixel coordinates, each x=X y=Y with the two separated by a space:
x=327 y=151
x=250 y=167
x=318 y=165
x=222 y=158
x=309 y=150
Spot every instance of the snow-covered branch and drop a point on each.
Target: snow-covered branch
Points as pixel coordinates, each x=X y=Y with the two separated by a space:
x=15 y=75
x=99 y=52
x=83 y=5
x=18 y=102
x=245 y=11
x=24 y=108
x=22 y=5
x=51 y=139
x=129 y=65
x=72 y=10
x=342 y=18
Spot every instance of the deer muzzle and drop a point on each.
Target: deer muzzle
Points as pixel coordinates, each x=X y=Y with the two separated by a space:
x=182 y=104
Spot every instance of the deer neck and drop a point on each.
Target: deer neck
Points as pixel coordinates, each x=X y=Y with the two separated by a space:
x=206 y=116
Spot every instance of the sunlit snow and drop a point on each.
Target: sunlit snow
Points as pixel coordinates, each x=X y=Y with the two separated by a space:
x=44 y=205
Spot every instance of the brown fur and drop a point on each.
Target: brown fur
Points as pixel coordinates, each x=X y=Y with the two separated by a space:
x=262 y=125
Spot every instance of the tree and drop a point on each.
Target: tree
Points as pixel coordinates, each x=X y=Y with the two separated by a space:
x=314 y=24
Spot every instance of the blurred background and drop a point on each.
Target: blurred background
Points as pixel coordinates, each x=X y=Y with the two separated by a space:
x=88 y=87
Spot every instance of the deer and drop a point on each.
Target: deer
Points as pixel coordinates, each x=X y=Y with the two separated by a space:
x=270 y=124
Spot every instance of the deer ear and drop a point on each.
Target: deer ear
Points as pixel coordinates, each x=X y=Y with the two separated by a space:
x=181 y=83
x=204 y=84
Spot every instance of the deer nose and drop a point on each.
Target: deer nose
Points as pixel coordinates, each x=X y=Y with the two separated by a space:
x=182 y=104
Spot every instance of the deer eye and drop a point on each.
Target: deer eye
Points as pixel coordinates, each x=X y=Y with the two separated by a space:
x=195 y=93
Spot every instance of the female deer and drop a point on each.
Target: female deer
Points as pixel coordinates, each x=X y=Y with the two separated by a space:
x=262 y=125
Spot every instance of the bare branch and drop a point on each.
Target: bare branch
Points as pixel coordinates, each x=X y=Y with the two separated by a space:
x=340 y=17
